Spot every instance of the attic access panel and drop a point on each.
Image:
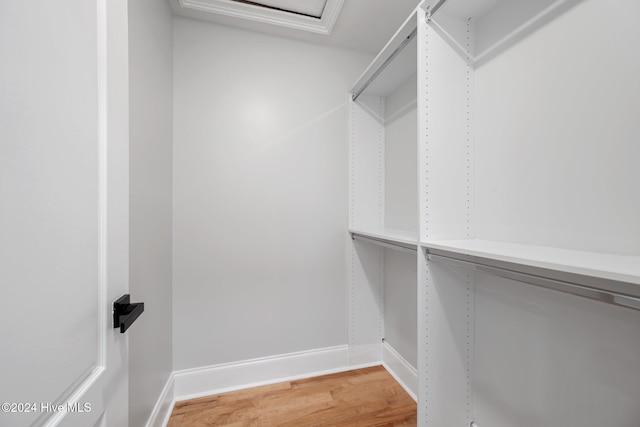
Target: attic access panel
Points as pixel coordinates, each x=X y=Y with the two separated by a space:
x=315 y=16
x=311 y=8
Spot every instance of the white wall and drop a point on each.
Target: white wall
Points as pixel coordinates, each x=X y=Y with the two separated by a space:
x=401 y=134
x=151 y=133
x=260 y=209
x=579 y=153
x=400 y=305
x=556 y=165
x=401 y=212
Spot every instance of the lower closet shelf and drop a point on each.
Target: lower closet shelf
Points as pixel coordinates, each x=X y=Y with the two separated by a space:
x=610 y=278
x=391 y=238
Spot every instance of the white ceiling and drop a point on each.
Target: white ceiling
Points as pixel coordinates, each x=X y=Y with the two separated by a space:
x=364 y=25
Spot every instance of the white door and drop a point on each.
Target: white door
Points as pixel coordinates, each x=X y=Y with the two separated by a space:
x=63 y=211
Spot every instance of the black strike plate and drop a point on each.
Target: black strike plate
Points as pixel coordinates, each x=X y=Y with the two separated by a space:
x=125 y=313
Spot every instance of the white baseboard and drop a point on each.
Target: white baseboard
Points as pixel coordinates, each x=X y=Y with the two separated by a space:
x=401 y=370
x=194 y=383
x=365 y=354
x=164 y=406
x=216 y=379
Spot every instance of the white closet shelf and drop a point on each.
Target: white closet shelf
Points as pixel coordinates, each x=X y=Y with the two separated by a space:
x=402 y=239
x=391 y=234
x=618 y=274
x=400 y=67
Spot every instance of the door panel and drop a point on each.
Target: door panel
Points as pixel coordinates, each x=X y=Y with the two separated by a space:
x=56 y=216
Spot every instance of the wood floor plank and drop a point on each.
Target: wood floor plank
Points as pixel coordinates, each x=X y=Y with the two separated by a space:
x=367 y=397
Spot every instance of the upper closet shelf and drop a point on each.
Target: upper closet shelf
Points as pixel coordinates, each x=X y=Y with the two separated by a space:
x=616 y=275
x=393 y=65
x=387 y=237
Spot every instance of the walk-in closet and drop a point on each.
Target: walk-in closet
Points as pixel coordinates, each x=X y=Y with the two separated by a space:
x=523 y=179
x=366 y=205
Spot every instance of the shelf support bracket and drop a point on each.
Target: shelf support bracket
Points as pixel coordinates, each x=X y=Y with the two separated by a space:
x=431 y=11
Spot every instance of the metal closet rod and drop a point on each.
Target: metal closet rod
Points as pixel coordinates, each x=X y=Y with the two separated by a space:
x=544 y=282
x=385 y=243
x=431 y=11
x=384 y=65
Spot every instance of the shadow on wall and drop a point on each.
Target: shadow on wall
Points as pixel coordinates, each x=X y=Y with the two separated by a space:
x=501 y=28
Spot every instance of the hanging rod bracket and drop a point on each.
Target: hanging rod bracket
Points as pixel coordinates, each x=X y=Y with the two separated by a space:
x=431 y=11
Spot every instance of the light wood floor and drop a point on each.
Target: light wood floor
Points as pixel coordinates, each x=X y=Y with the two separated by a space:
x=363 y=397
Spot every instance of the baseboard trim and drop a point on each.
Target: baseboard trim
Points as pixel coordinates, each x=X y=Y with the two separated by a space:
x=365 y=354
x=164 y=406
x=199 y=382
x=400 y=370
